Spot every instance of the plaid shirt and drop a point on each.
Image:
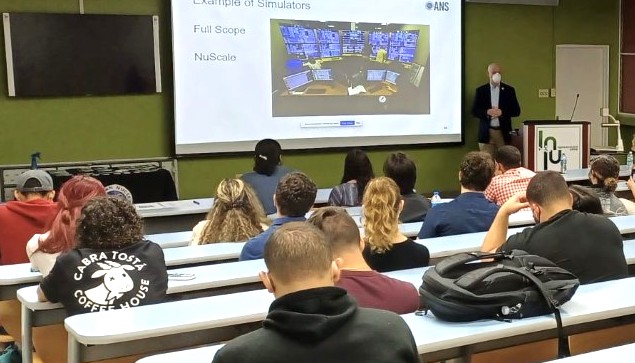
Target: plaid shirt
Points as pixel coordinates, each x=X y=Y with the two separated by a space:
x=511 y=182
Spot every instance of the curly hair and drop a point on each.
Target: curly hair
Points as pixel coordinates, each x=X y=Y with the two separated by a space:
x=295 y=194
x=73 y=196
x=477 y=170
x=236 y=215
x=108 y=223
x=606 y=169
x=381 y=213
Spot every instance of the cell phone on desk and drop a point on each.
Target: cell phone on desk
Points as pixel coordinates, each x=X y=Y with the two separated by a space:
x=180 y=276
x=633 y=174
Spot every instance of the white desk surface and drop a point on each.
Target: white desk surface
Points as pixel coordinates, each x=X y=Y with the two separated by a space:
x=193 y=355
x=322 y=196
x=574 y=175
x=202 y=253
x=174 y=208
x=171 y=239
x=591 y=303
x=197 y=206
x=141 y=322
x=621 y=354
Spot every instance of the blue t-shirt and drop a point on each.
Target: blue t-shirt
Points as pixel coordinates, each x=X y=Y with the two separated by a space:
x=265 y=186
x=468 y=213
x=255 y=247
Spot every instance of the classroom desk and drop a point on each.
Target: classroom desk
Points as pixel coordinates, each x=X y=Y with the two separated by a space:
x=180 y=215
x=577 y=175
x=194 y=355
x=136 y=330
x=173 y=216
x=621 y=354
x=210 y=280
x=171 y=239
x=14 y=277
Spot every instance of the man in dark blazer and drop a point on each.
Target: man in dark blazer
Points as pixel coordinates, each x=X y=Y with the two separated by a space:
x=495 y=104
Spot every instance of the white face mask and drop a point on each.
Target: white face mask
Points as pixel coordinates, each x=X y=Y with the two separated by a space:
x=496 y=78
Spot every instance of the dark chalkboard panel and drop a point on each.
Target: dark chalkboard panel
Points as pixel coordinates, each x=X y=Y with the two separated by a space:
x=77 y=55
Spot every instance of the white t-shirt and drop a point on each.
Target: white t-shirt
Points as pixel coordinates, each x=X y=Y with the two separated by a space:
x=41 y=261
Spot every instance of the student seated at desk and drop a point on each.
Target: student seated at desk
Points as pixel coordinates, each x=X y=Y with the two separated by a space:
x=112 y=266
x=470 y=212
x=403 y=171
x=510 y=177
x=30 y=213
x=358 y=171
x=311 y=320
x=588 y=245
x=604 y=174
x=585 y=200
x=370 y=288
x=387 y=249
x=43 y=249
x=294 y=197
x=236 y=215
x=268 y=171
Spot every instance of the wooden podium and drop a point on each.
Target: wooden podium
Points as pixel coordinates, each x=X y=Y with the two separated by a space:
x=544 y=143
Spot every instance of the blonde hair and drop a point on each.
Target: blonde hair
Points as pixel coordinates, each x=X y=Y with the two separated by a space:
x=236 y=216
x=381 y=213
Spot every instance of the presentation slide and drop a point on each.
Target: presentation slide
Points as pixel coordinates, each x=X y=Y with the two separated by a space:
x=315 y=73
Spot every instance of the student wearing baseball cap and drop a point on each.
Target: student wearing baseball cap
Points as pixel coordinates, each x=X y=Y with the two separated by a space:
x=30 y=213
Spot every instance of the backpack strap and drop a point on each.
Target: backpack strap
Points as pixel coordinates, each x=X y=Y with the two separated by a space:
x=448 y=264
x=472 y=278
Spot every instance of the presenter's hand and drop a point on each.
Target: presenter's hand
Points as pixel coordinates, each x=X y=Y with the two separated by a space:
x=491 y=112
x=514 y=204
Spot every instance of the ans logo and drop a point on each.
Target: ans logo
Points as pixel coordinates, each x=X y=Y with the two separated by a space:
x=438 y=5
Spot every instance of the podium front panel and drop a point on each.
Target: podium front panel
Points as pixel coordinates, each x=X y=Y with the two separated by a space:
x=546 y=144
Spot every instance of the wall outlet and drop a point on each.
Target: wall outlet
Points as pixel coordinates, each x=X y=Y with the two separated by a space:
x=552 y=92
x=543 y=93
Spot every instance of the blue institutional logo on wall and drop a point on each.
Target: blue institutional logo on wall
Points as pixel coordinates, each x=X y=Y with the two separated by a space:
x=429 y=5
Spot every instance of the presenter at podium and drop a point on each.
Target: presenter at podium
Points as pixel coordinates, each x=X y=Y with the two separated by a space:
x=495 y=104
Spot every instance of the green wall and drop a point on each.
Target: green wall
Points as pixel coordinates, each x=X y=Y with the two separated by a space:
x=521 y=38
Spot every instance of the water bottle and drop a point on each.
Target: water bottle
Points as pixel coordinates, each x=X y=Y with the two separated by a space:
x=563 y=164
x=629 y=160
x=436 y=199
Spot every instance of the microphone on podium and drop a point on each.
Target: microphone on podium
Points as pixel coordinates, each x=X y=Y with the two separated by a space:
x=575 y=106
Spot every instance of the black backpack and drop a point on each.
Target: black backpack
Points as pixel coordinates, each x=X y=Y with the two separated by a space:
x=512 y=285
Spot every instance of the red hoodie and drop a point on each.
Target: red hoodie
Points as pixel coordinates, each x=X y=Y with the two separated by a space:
x=19 y=221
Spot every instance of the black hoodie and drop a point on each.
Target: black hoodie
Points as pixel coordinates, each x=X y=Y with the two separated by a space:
x=323 y=325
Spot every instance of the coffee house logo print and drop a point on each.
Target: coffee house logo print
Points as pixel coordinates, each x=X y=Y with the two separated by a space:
x=113 y=281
